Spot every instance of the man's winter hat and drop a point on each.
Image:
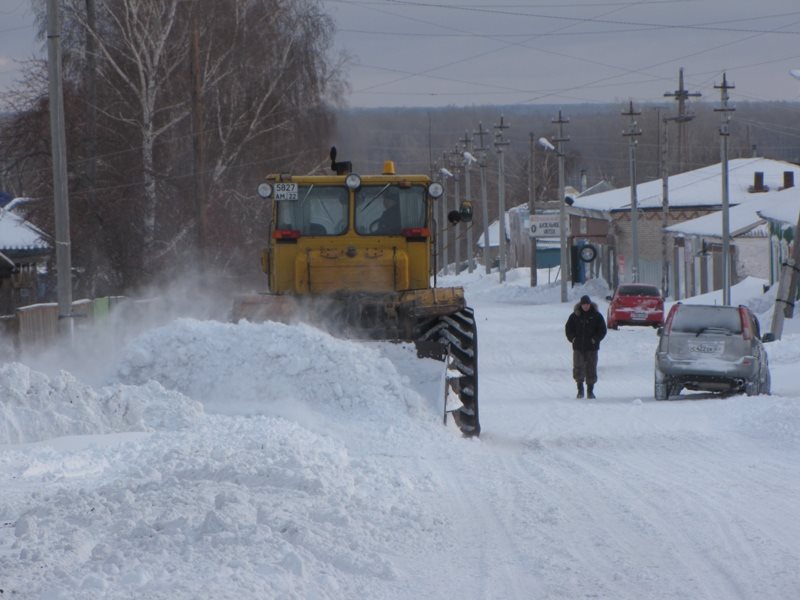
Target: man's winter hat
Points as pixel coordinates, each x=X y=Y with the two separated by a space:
x=585 y=299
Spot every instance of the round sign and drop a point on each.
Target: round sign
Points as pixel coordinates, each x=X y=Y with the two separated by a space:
x=264 y=190
x=588 y=253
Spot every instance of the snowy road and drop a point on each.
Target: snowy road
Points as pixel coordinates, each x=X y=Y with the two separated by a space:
x=313 y=469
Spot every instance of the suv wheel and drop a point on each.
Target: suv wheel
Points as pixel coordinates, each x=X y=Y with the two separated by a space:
x=752 y=387
x=661 y=387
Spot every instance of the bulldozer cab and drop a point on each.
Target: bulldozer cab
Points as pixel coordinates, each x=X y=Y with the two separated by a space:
x=349 y=232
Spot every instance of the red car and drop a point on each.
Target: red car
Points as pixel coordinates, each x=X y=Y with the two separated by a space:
x=635 y=304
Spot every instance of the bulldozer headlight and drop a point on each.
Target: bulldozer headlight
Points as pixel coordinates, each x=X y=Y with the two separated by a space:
x=435 y=190
x=353 y=181
x=264 y=190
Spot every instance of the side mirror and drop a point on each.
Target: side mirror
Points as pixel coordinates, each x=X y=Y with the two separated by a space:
x=608 y=298
x=660 y=331
x=768 y=337
x=466 y=211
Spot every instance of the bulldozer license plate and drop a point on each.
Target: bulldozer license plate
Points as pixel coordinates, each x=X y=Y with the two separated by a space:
x=286 y=191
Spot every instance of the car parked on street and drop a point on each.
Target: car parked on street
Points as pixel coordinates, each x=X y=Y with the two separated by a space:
x=711 y=348
x=635 y=304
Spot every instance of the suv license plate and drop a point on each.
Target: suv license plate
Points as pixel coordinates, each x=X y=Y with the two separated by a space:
x=640 y=316
x=706 y=347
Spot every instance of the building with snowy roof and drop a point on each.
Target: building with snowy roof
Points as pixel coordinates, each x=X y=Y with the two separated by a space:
x=24 y=253
x=671 y=234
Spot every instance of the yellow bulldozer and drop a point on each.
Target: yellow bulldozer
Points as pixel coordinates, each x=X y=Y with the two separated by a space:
x=355 y=254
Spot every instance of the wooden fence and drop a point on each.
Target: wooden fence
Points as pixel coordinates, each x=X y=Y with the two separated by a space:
x=35 y=327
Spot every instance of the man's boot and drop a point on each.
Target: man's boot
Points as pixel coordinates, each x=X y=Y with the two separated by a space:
x=580 y=390
x=590 y=391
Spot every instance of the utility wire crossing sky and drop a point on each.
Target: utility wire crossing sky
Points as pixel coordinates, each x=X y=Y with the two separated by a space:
x=410 y=53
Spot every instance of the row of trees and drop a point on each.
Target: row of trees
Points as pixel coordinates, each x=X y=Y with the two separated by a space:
x=174 y=110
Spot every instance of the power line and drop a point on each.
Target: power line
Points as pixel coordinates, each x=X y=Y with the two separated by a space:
x=574 y=20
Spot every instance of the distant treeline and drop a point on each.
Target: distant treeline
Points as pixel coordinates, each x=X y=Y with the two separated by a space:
x=416 y=139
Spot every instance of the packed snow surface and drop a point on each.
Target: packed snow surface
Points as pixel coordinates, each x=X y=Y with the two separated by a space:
x=240 y=460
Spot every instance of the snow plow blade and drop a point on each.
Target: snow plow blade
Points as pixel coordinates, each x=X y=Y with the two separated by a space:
x=439 y=323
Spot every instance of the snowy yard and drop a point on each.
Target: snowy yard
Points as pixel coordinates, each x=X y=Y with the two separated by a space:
x=214 y=460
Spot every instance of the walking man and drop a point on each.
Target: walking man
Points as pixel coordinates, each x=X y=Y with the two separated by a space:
x=585 y=328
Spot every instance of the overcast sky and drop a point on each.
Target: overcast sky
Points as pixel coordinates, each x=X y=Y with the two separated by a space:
x=468 y=52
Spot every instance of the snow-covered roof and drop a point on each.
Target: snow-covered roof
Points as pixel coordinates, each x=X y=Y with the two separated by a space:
x=784 y=207
x=743 y=220
x=494 y=234
x=701 y=187
x=18 y=203
x=17 y=234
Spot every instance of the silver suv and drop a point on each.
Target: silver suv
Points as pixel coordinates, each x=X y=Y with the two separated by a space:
x=711 y=348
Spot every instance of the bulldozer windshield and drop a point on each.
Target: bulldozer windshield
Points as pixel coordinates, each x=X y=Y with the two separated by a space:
x=388 y=209
x=318 y=210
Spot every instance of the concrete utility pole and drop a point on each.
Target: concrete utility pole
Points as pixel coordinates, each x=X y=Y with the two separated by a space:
x=726 y=221
x=445 y=174
x=482 y=153
x=499 y=144
x=562 y=205
x=456 y=156
x=467 y=141
x=632 y=132
x=532 y=204
x=682 y=95
x=663 y=143
x=60 y=184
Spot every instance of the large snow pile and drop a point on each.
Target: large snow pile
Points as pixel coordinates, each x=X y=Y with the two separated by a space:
x=259 y=506
x=235 y=508
x=297 y=372
x=35 y=407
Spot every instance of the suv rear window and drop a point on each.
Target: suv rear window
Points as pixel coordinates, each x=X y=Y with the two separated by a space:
x=697 y=319
x=639 y=290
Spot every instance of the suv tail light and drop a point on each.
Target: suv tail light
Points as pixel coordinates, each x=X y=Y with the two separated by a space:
x=672 y=311
x=747 y=331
